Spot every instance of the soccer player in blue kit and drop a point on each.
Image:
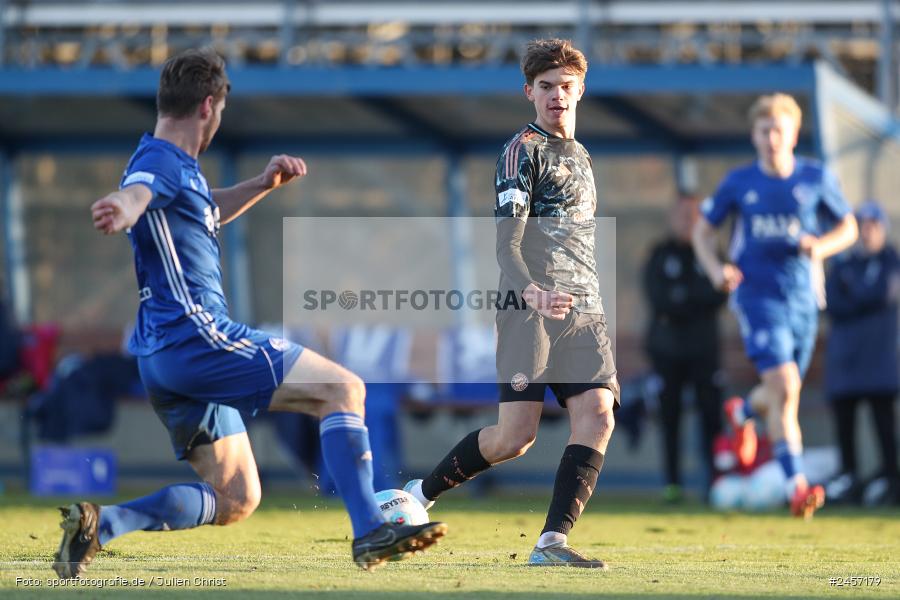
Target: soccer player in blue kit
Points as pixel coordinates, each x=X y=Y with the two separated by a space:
x=790 y=216
x=201 y=369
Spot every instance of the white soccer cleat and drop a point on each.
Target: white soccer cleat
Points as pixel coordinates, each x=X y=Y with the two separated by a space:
x=414 y=487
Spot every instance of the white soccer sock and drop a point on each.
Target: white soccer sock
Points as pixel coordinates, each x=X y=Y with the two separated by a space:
x=549 y=538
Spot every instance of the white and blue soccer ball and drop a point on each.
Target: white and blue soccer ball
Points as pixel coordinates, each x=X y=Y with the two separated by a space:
x=727 y=492
x=766 y=488
x=401 y=507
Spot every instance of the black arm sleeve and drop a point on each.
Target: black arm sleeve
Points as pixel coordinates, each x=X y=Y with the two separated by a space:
x=513 y=188
x=509 y=252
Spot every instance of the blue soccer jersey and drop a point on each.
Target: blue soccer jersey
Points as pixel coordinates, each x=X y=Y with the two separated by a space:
x=176 y=252
x=200 y=368
x=776 y=302
x=772 y=214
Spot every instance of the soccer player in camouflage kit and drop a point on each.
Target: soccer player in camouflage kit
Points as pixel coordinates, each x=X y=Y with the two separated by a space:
x=544 y=208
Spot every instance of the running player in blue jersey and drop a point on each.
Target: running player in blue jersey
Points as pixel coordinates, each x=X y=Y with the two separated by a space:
x=790 y=216
x=201 y=369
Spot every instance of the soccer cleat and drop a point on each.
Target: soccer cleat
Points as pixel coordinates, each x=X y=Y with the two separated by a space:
x=807 y=500
x=745 y=442
x=414 y=487
x=80 y=541
x=562 y=555
x=393 y=541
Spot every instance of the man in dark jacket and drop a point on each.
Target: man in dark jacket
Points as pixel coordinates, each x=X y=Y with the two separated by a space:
x=863 y=291
x=683 y=338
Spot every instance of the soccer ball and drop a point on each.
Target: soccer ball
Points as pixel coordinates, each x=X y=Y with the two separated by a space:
x=400 y=507
x=765 y=489
x=727 y=492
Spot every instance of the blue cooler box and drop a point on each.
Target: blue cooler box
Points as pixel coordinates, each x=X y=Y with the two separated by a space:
x=64 y=471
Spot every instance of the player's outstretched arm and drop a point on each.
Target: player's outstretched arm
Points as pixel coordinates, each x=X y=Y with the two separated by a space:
x=834 y=242
x=723 y=276
x=235 y=200
x=120 y=210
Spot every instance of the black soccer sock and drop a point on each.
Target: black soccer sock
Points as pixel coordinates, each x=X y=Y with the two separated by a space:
x=575 y=480
x=460 y=465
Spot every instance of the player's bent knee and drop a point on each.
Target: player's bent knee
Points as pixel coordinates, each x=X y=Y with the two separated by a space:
x=346 y=396
x=599 y=425
x=236 y=508
x=607 y=420
x=517 y=444
x=356 y=395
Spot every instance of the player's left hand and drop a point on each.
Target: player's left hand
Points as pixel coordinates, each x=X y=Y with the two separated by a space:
x=283 y=169
x=809 y=245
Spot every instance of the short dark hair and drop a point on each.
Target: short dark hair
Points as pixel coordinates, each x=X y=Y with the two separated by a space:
x=544 y=55
x=187 y=79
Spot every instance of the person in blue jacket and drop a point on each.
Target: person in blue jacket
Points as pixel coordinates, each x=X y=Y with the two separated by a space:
x=863 y=291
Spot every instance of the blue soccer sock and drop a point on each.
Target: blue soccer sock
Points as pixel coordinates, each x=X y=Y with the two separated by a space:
x=790 y=457
x=180 y=506
x=348 y=456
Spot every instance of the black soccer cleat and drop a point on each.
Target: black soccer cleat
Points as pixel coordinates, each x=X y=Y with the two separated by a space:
x=393 y=541
x=80 y=541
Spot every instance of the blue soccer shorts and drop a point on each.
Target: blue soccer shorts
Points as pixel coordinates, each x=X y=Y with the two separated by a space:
x=201 y=385
x=777 y=332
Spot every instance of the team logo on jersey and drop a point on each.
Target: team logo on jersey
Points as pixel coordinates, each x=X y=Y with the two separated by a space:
x=804 y=193
x=751 y=197
x=519 y=382
x=278 y=343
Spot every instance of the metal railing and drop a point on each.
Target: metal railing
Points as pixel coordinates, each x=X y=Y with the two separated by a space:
x=124 y=35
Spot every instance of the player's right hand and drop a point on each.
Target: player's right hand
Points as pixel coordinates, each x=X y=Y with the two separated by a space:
x=728 y=278
x=109 y=215
x=551 y=304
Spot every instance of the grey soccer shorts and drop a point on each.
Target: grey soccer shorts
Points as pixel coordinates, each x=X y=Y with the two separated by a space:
x=570 y=356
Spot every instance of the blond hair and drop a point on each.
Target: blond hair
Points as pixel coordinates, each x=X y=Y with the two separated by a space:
x=774 y=105
x=547 y=54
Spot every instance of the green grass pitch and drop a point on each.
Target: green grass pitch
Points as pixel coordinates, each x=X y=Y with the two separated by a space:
x=300 y=544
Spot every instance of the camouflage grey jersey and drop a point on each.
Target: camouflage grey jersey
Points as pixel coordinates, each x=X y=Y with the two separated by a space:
x=547 y=182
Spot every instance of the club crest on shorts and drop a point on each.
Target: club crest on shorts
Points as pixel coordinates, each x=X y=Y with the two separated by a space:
x=519 y=382
x=278 y=343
